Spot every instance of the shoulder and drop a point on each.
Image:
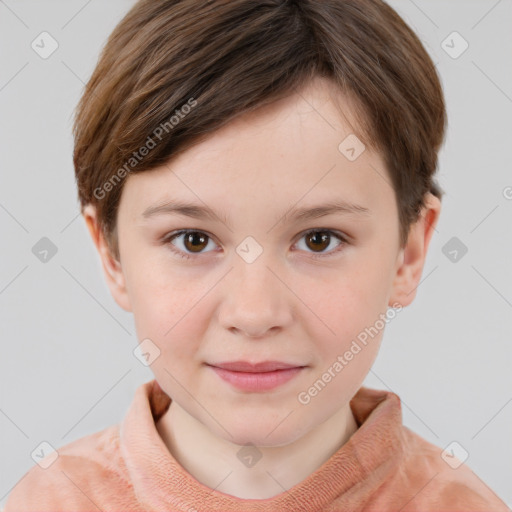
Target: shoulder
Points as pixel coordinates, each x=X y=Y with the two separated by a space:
x=444 y=482
x=87 y=474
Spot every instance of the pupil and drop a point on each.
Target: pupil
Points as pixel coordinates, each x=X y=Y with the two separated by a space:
x=191 y=237
x=321 y=236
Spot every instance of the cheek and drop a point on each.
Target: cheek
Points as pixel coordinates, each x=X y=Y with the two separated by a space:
x=166 y=307
x=350 y=307
x=353 y=297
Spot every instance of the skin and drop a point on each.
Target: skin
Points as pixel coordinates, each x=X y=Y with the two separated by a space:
x=287 y=305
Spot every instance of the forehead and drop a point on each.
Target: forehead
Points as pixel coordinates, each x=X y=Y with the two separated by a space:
x=293 y=150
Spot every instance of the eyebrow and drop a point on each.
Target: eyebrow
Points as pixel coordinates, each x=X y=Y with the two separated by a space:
x=196 y=211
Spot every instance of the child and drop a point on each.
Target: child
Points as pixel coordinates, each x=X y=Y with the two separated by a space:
x=259 y=129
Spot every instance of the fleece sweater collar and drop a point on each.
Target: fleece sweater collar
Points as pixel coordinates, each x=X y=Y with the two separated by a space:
x=349 y=477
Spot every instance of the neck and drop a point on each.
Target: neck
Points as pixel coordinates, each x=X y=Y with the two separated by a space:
x=215 y=462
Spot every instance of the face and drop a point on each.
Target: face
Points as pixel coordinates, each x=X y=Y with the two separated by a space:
x=257 y=281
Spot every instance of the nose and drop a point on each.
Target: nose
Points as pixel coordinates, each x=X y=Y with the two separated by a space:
x=255 y=302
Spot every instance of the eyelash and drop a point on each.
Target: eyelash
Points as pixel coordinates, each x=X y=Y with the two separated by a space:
x=169 y=238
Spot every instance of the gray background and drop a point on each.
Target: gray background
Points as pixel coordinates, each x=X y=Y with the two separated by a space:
x=68 y=369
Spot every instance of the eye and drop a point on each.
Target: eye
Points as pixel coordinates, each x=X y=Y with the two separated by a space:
x=322 y=238
x=195 y=241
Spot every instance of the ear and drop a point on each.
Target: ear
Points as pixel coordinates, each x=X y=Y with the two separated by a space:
x=411 y=258
x=111 y=267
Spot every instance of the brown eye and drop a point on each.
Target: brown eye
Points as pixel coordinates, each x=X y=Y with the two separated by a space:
x=195 y=241
x=318 y=240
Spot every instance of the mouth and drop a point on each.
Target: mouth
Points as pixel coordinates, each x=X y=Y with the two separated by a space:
x=260 y=367
x=256 y=377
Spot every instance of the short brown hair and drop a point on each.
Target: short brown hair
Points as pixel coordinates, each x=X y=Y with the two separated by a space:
x=232 y=56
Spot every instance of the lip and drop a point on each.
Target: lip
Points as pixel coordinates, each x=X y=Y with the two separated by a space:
x=246 y=366
x=257 y=379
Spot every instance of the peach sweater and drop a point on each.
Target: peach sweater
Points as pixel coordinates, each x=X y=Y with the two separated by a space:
x=384 y=466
